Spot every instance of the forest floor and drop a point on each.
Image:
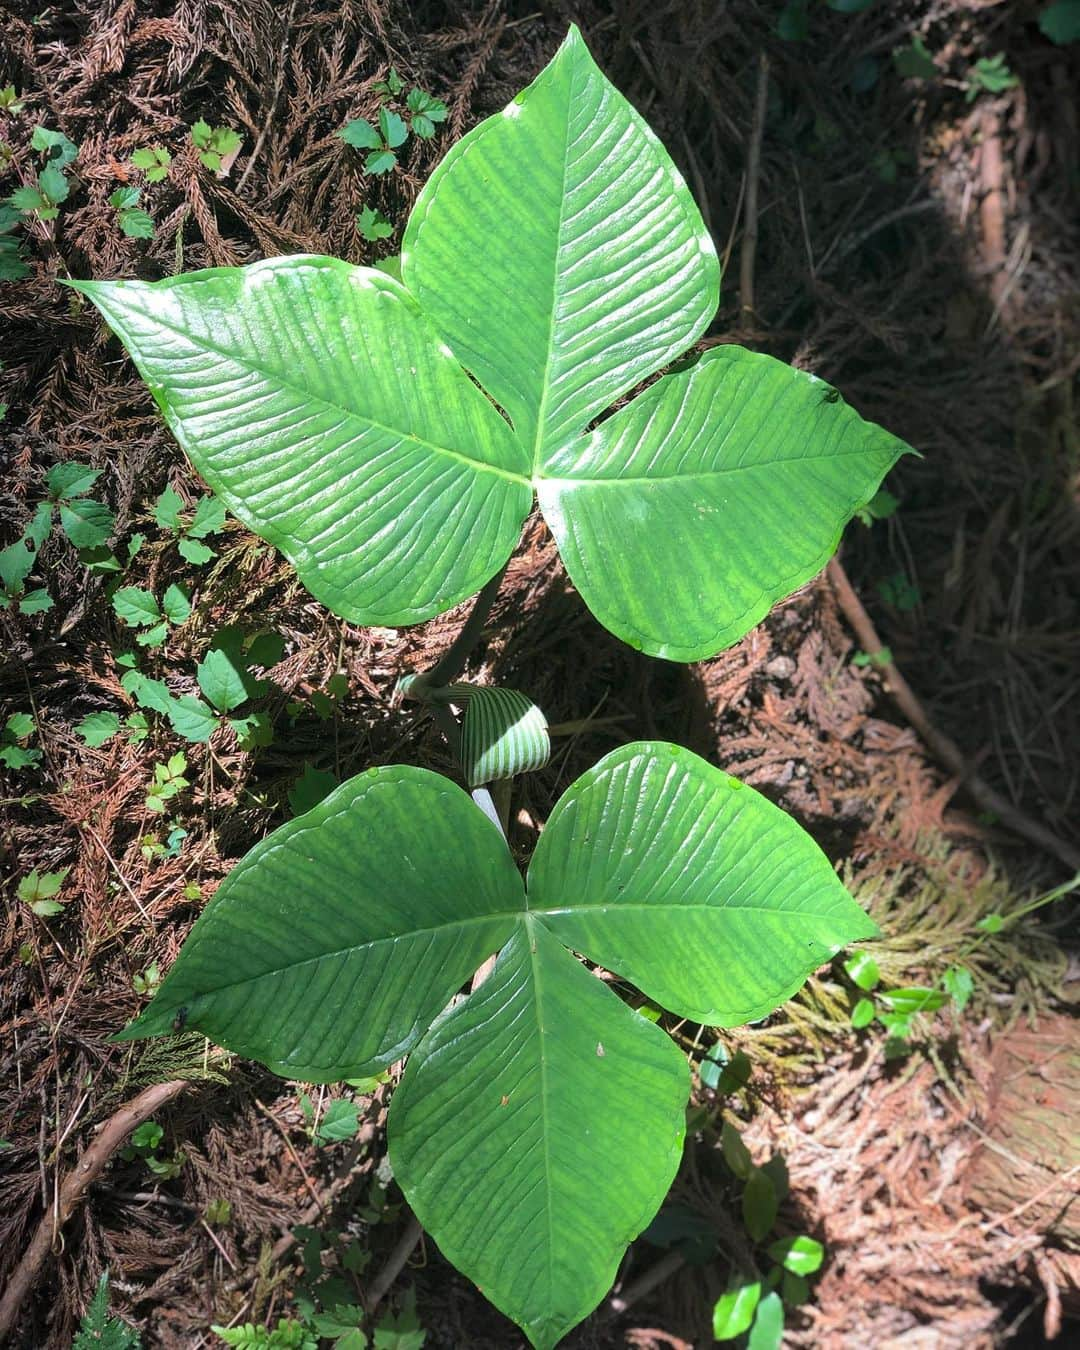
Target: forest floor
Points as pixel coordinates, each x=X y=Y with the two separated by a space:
x=918 y=245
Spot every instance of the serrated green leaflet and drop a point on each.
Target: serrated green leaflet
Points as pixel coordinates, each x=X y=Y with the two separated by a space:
x=545 y=1067
x=330 y=950
x=558 y=252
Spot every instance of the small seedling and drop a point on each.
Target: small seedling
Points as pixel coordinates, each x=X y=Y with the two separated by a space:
x=381 y=143
x=50 y=190
x=372 y=224
x=217 y=146
x=147 y=983
x=207 y=519
x=134 y=221
x=10 y=102
x=310 y=789
x=145 y=1141
x=424 y=112
x=226 y=681
x=881 y=506
x=138 y=609
x=339 y=1121
x=989 y=75
x=18 y=728
x=153 y=849
x=391 y=86
x=899 y=591
x=39 y=889
x=883 y=657
x=168 y=782
x=154 y=160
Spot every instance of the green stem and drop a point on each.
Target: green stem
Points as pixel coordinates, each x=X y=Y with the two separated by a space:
x=452 y=661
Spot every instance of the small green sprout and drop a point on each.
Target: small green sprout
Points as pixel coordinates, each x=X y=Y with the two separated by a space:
x=147 y=983
x=18 y=727
x=10 y=102
x=207 y=519
x=380 y=143
x=168 y=782
x=372 y=224
x=425 y=112
x=989 y=75
x=217 y=146
x=39 y=889
x=154 y=161
x=139 y=609
x=134 y=221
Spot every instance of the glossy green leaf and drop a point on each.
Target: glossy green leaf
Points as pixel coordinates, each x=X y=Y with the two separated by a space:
x=333 y=945
x=536 y=1131
x=560 y=253
x=734 y=1310
x=737 y=474
x=221 y=680
x=862 y=1014
x=802 y=1255
x=503 y=733
x=708 y=897
x=767 y=1332
x=316 y=401
x=759 y=1204
x=520 y=1121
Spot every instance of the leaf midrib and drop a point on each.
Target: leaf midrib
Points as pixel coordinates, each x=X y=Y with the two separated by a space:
x=652 y=479
x=272 y=375
x=520 y=915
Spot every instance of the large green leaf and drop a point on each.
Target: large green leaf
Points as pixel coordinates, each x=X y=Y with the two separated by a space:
x=708 y=897
x=315 y=399
x=560 y=253
x=536 y=1131
x=332 y=946
x=539 y=1120
x=734 y=477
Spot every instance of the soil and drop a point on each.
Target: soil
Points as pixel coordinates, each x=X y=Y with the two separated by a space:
x=916 y=247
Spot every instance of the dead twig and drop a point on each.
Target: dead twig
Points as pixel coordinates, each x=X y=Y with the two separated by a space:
x=941 y=746
x=74 y=1186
